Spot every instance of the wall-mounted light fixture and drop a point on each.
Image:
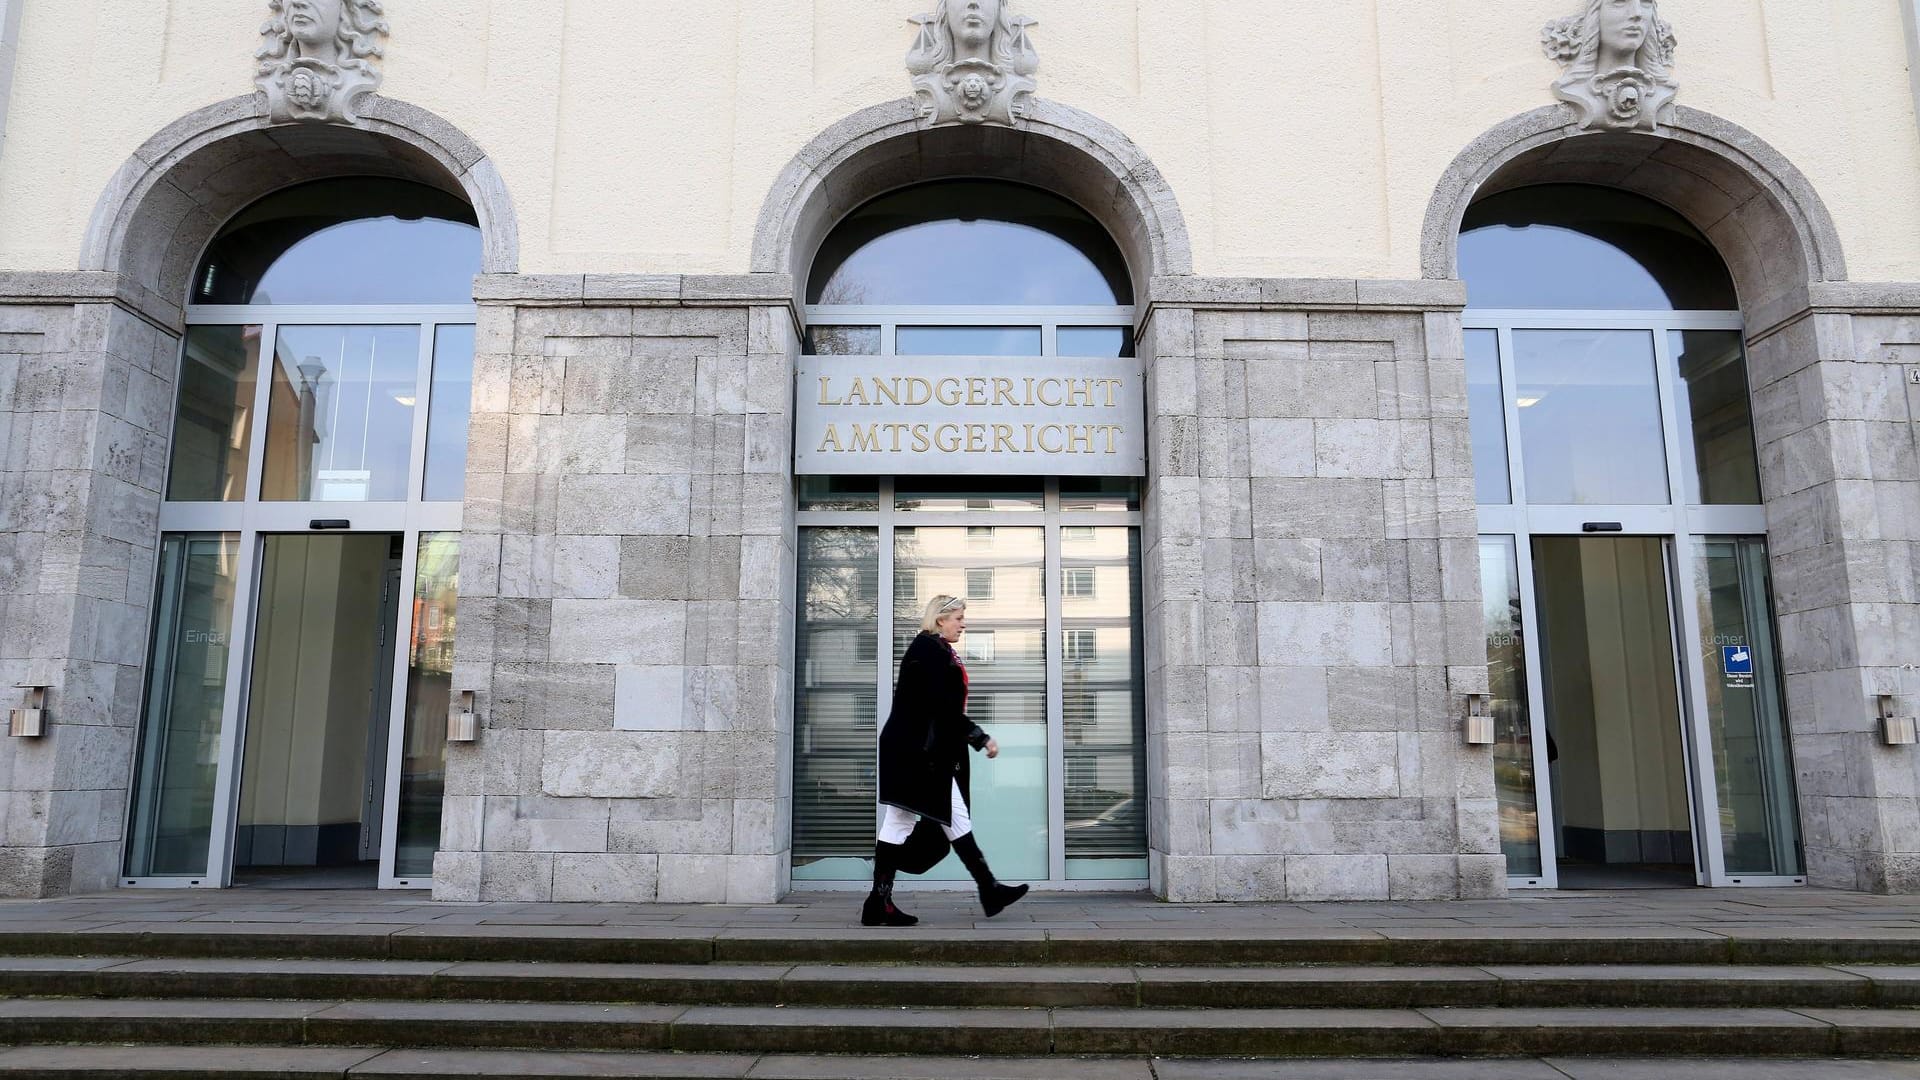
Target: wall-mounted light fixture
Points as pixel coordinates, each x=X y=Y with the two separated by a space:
x=1479 y=724
x=463 y=724
x=1894 y=730
x=30 y=720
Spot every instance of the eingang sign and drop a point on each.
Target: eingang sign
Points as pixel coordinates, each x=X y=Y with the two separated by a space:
x=1054 y=415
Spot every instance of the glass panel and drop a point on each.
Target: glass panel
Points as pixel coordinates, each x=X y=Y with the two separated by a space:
x=1513 y=760
x=1082 y=494
x=213 y=418
x=835 y=719
x=172 y=821
x=423 y=753
x=1752 y=764
x=1008 y=682
x=448 y=407
x=976 y=494
x=1487 y=415
x=1102 y=673
x=355 y=240
x=969 y=242
x=1613 y=713
x=340 y=425
x=1572 y=246
x=839 y=493
x=1093 y=340
x=320 y=687
x=1713 y=392
x=843 y=341
x=1589 y=417
x=968 y=341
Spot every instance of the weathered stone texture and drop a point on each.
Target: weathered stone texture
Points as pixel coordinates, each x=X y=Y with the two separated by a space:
x=86 y=394
x=1834 y=420
x=1317 y=465
x=625 y=638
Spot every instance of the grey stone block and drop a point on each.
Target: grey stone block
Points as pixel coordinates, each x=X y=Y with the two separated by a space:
x=606 y=878
x=1337 y=877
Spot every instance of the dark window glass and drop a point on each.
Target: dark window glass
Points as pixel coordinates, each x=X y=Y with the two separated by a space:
x=1578 y=246
x=843 y=341
x=969 y=242
x=356 y=240
x=1095 y=341
x=968 y=341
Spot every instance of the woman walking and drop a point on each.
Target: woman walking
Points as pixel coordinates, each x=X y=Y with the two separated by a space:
x=923 y=763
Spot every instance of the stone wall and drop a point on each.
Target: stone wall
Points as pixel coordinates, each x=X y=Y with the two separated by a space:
x=86 y=397
x=625 y=594
x=1834 y=417
x=1313 y=611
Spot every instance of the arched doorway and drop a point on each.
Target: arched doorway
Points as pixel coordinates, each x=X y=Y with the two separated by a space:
x=1631 y=643
x=300 y=661
x=1000 y=293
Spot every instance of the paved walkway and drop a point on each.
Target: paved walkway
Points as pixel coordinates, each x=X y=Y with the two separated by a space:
x=1674 y=912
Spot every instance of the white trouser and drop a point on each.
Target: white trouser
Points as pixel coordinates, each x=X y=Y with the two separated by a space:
x=895 y=827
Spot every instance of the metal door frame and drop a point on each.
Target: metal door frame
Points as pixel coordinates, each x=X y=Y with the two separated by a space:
x=1676 y=523
x=1051 y=519
x=251 y=519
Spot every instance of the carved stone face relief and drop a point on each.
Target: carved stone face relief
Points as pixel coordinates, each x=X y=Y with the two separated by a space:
x=316 y=58
x=972 y=63
x=1618 y=56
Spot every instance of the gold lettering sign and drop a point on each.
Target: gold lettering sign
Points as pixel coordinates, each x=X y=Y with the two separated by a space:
x=1019 y=414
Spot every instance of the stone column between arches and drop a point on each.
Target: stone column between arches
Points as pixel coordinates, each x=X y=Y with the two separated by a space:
x=1313 y=608
x=626 y=594
x=86 y=394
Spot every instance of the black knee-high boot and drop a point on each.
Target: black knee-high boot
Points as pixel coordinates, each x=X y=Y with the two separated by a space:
x=879 y=909
x=994 y=896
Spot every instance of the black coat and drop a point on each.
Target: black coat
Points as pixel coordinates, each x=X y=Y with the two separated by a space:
x=923 y=748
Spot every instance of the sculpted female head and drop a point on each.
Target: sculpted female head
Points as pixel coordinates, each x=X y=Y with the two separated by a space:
x=332 y=31
x=973 y=30
x=1619 y=60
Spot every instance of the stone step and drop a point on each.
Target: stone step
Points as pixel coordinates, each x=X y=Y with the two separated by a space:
x=1133 y=1032
x=996 y=946
x=934 y=985
x=324 y=1063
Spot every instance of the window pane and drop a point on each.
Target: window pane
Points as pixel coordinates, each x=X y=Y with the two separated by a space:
x=172 y=819
x=1574 y=246
x=969 y=242
x=423 y=754
x=1513 y=761
x=843 y=341
x=835 y=718
x=213 y=418
x=1589 y=417
x=1006 y=648
x=340 y=426
x=1094 y=340
x=968 y=341
x=839 y=493
x=975 y=494
x=1487 y=415
x=1104 y=711
x=1081 y=494
x=1713 y=389
x=1752 y=763
x=448 y=407
x=355 y=240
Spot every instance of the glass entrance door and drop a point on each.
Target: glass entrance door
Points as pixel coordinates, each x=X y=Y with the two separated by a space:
x=293 y=719
x=1616 y=741
x=1050 y=570
x=1632 y=671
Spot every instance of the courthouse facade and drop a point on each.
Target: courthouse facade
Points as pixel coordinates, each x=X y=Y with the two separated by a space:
x=1389 y=448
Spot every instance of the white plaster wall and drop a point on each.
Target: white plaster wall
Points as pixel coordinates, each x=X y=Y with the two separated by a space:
x=1301 y=139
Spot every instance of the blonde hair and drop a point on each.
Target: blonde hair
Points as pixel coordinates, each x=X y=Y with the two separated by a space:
x=938 y=608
